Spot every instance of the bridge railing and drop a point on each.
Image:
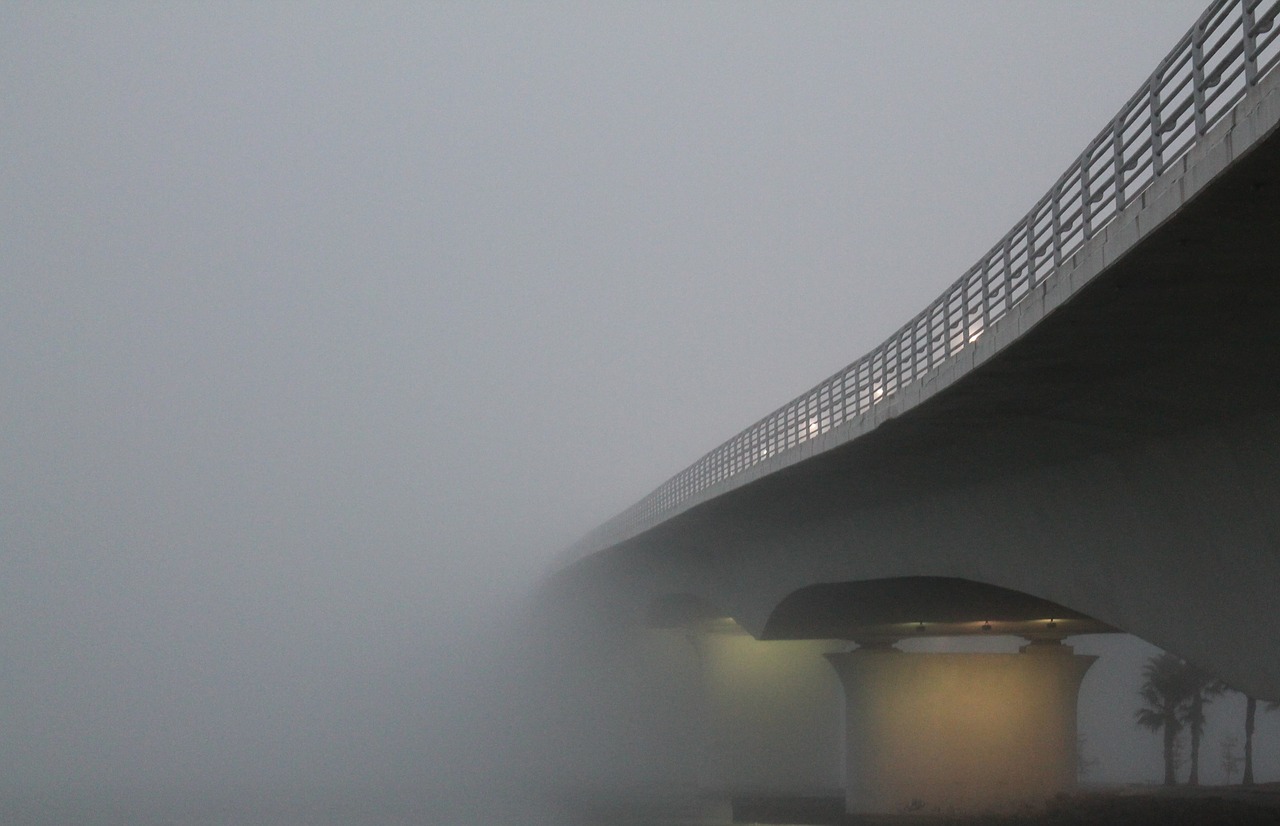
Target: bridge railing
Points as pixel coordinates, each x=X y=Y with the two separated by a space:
x=1231 y=46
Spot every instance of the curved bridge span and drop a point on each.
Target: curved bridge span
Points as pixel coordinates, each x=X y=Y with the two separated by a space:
x=1089 y=417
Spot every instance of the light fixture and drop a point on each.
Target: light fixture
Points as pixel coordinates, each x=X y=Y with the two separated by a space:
x=986 y=626
x=920 y=628
x=1051 y=624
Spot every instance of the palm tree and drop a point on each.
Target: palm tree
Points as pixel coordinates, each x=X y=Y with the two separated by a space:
x=1165 y=691
x=1202 y=687
x=1250 y=711
x=1230 y=760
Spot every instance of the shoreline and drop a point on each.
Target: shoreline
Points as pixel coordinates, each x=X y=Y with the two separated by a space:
x=1125 y=805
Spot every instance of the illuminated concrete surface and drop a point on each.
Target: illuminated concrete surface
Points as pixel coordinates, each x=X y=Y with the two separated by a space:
x=772 y=713
x=941 y=733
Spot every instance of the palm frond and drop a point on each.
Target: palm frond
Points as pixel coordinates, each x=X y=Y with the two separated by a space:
x=1149 y=719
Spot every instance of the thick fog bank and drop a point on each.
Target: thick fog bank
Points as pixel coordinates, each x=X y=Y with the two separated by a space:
x=325 y=328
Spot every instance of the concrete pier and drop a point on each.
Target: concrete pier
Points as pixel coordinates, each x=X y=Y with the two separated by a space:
x=963 y=733
x=771 y=713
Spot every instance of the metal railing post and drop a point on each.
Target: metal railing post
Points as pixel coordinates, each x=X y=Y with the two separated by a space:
x=1056 y=225
x=1086 y=194
x=1247 y=25
x=1197 y=78
x=1157 y=133
x=1030 y=235
x=1117 y=158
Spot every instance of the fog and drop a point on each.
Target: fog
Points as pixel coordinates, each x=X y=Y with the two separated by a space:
x=326 y=328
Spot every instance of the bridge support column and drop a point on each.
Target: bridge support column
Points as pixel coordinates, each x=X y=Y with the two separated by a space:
x=936 y=733
x=771 y=714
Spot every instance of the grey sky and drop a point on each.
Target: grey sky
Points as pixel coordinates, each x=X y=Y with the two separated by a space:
x=324 y=327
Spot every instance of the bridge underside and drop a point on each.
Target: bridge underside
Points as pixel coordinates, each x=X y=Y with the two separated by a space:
x=904 y=607
x=886 y=610
x=1117 y=460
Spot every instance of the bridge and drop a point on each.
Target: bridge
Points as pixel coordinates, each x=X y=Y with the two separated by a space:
x=1081 y=434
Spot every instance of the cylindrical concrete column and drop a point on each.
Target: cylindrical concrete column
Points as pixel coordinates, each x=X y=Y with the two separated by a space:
x=771 y=712
x=936 y=733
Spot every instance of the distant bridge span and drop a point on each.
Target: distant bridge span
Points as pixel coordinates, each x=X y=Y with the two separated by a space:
x=1089 y=417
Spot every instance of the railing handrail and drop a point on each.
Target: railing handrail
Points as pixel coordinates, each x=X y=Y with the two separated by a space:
x=1206 y=73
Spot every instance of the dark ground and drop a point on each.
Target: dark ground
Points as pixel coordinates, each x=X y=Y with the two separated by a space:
x=1123 y=806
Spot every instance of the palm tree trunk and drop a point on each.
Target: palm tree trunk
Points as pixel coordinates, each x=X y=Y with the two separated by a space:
x=1170 y=734
x=1194 y=778
x=1250 y=709
x=1197 y=728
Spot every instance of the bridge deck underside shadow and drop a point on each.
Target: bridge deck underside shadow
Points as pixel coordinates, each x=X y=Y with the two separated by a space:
x=1120 y=458
x=903 y=607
